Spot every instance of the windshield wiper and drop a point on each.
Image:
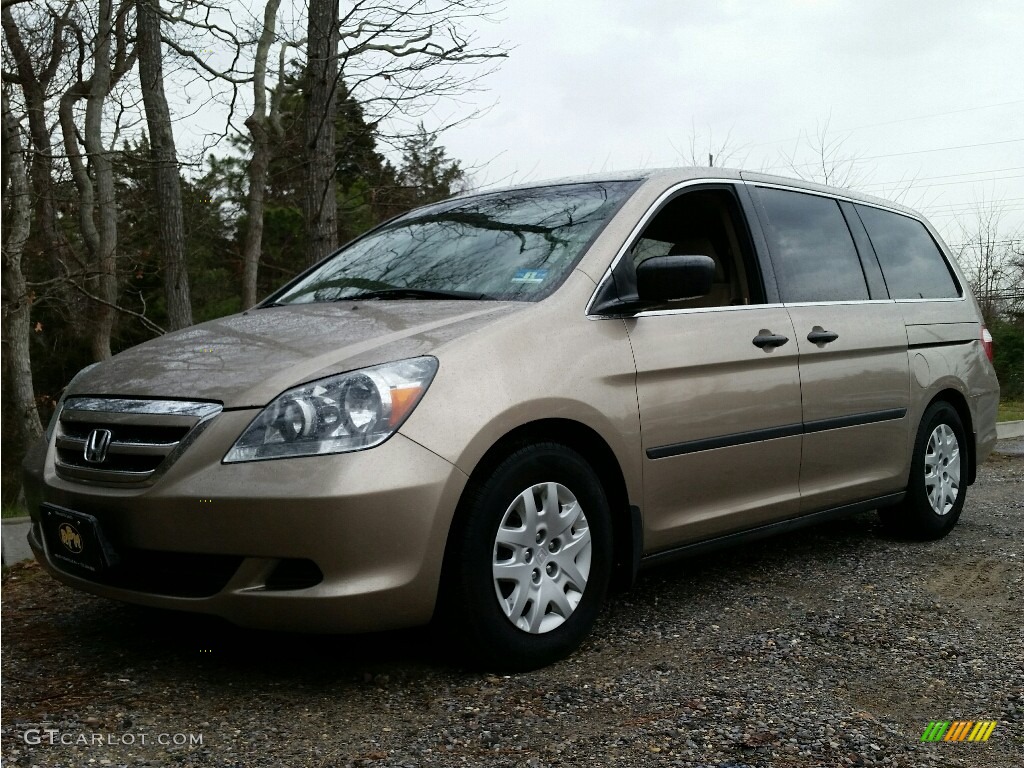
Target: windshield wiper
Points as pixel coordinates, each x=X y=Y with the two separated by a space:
x=413 y=293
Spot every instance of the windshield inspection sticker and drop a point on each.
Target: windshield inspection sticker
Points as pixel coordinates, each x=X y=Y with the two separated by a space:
x=530 y=276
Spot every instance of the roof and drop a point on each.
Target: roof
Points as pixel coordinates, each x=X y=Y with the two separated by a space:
x=688 y=173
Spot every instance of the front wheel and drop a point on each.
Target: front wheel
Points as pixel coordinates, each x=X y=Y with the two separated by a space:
x=938 y=478
x=529 y=567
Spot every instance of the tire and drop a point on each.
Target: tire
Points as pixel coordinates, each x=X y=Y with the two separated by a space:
x=938 y=478
x=525 y=577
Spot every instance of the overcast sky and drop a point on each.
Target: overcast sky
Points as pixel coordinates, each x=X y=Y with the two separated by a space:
x=926 y=94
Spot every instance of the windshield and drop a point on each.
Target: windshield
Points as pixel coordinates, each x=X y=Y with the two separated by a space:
x=511 y=245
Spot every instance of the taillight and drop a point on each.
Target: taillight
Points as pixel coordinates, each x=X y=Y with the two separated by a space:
x=986 y=342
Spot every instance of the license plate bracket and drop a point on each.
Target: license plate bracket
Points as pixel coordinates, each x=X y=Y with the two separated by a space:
x=76 y=540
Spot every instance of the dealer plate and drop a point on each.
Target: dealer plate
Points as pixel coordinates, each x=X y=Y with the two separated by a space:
x=76 y=539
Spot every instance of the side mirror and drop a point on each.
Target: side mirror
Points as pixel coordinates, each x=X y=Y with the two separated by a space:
x=672 y=278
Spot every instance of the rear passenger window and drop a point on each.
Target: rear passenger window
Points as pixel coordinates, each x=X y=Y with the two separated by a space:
x=812 y=249
x=912 y=264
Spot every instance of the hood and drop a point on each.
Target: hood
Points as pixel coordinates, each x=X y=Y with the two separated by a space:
x=248 y=359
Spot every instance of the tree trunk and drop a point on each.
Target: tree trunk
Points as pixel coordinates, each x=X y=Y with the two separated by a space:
x=167 y=183
x=35 y=82
x=16 y=301
x=252 y=249
x=97 y=216
x=257 y=123
x=320 y=200
x=106 y=205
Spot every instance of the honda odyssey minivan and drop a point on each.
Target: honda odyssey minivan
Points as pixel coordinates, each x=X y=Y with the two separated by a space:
x=486 y=412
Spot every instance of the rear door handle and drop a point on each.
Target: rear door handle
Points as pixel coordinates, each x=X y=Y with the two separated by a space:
x=820 y=336
x=769 y=340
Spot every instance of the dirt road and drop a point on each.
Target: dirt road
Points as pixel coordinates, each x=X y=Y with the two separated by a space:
x=834 y=646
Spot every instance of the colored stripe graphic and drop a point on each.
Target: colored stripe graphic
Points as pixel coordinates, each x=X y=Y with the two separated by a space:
x=935 y=731
x=985 y=730
x=959 y=730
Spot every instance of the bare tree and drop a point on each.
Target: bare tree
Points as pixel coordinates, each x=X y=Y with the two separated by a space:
x=36 y=68
x=259 y=124
x=992 y=259
x=398 y=59
x=167 y=181
x=16 y=300
x=707 y=151
x=190 y=31
x=830 y=162
x=111 y=59
x=320 y=201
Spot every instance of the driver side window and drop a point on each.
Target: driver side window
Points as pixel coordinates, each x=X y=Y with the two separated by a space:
x=706 y=222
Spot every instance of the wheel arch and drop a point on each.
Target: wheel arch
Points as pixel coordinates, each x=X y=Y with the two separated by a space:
x=627 y=525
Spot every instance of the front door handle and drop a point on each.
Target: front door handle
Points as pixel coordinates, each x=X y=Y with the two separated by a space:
x=820 y=336
x=766 y=340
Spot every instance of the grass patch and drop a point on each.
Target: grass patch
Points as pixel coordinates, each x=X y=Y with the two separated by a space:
x=12 y=510
x=1011 y=410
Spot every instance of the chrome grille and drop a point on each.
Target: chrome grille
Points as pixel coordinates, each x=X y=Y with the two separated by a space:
x=119 y=441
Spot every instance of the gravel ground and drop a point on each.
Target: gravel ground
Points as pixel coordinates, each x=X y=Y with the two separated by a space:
x=830 y=647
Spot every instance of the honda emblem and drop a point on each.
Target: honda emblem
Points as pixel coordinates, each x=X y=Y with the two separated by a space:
x=96 y=446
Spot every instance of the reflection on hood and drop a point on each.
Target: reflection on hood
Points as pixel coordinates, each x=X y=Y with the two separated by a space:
x=247 y=359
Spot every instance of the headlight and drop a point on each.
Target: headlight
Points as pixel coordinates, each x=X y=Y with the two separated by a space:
x=341 y=413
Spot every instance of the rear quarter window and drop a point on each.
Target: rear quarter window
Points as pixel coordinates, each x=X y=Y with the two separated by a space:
x=913 y=265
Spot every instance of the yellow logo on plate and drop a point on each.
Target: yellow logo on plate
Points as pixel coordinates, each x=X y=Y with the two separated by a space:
x=70 y=538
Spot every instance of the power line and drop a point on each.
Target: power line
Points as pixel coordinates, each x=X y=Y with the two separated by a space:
x=901 y=120
x=999 y=243
x=915 y=179
x=970 y=206
x=914 y=185
x=967 y=211
x=909 y=152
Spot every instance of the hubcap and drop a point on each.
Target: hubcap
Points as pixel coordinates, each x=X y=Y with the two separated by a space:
x=541 y=559
x=942 y=469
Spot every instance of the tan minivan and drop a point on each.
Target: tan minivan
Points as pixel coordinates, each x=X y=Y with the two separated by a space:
x=488 y=410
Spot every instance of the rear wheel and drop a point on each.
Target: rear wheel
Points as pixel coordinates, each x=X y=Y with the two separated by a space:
x=529 y=568
x=938 y=478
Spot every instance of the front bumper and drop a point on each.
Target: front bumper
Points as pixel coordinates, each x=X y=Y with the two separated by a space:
x=375 y=524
